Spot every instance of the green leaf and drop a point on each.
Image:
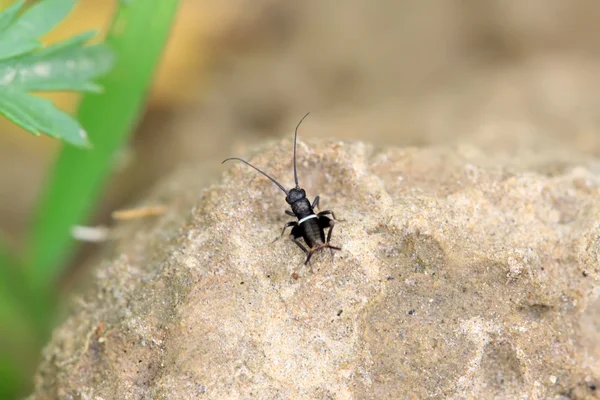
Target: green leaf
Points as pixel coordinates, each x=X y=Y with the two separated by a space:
x=44 y=15
x=18 y=116
x=138 y=35
x=64 y=66
x=39 y=115
x=11 y=47
x=21 y=36
x=67 y=65
x=7 y=16
x=75 y=41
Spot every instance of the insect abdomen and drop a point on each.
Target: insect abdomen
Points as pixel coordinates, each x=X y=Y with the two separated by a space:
x=312 y=233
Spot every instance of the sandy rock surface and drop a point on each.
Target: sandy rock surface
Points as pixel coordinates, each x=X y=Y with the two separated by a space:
x=461 y=276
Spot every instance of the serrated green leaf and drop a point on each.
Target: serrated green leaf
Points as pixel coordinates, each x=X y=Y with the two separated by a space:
x=75 y=41
x=44 y=15
x=14 y=113
x=7 y=16
x=11 y=48
x=67 y=85
x=40 y=115
x=21 y=36
x=64 y=67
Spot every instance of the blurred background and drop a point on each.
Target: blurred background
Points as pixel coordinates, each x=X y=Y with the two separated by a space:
x=514 y=78
x=507 y=76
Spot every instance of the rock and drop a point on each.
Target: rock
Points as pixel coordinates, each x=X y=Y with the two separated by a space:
x=460 y=277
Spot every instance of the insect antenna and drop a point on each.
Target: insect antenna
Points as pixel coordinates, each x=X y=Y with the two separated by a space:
x=264 y=173
x=295 y=136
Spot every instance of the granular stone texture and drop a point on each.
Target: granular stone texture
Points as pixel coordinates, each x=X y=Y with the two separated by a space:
x=461 y=276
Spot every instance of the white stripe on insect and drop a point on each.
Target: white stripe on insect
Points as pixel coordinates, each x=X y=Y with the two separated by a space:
x=307 y=218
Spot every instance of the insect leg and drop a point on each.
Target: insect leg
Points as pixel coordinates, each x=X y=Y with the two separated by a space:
x=291 y=214
x=329 y=212
x=287 y=225
x=325 y=222
x=326 y=212
x=295 y=237
x=315 y=203
x=307 y=262
x=331 y=225
x=296 y=240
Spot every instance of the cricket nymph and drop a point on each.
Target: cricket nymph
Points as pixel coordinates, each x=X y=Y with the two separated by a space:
x=309 y=226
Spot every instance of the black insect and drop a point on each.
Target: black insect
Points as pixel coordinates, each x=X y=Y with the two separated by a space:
x=310 y=226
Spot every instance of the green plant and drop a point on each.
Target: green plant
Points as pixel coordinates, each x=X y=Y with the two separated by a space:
x=108 y=112
x=27 y=67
